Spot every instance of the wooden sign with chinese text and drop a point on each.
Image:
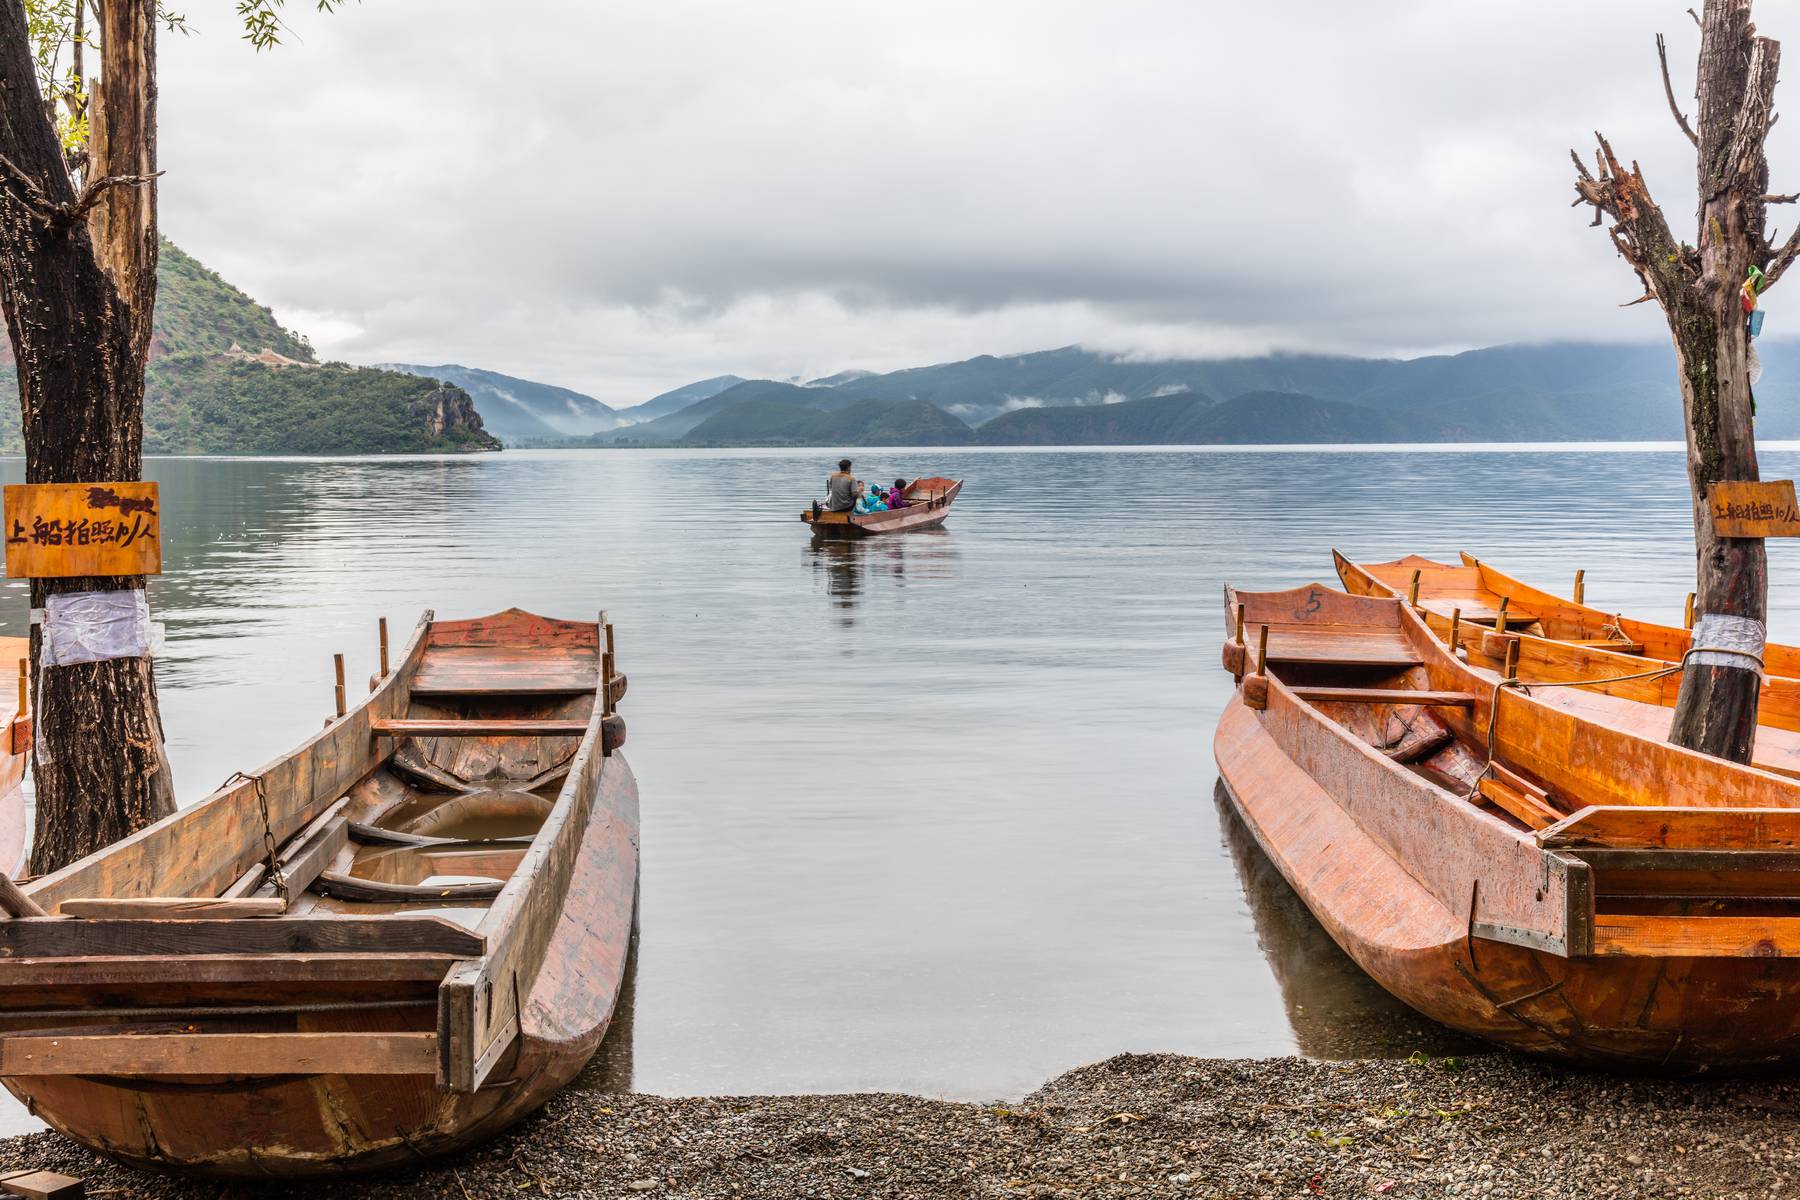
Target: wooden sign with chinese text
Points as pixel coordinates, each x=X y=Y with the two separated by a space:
x=1742 y=509
x=61 y=529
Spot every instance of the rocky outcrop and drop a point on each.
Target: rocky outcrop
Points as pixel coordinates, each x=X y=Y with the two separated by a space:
x=449 y=412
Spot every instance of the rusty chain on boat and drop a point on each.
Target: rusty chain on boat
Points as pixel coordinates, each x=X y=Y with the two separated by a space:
x=262 y=804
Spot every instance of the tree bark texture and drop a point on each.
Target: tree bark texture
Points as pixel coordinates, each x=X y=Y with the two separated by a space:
x=1700 y=290
x=77 y=280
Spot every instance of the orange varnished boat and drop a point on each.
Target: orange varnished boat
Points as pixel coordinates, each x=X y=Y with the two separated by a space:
x=927 y=507
x=391 y=943
x=1607 y=681
x=1577 y=892
x=1477 y=589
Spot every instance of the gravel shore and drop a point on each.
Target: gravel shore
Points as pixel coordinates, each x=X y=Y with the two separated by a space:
x=1137 y=1125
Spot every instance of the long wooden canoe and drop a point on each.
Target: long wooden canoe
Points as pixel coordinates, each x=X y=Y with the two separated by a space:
x=1566 y=889
x=15 y=751
x=928 y=505
x=1477 y=588
x=1607 y=680
x=457 y=861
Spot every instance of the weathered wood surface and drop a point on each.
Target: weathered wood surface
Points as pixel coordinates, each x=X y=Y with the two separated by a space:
x=555 y=952
x=1455 y=906
x=476 y=727
x=42 y=1185
x=170 y=908
x=54 y=530
x=1743 y=508
x=219 y=1054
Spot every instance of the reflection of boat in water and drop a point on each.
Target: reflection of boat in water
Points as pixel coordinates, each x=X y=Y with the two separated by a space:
x=1335 y=1010
x=15 y=749
x=845 y=566
x=928 y=505
x=393 y=942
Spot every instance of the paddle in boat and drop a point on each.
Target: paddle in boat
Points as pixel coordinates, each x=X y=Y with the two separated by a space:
x=1510 y=868
x=390 y=943
x=927 y=505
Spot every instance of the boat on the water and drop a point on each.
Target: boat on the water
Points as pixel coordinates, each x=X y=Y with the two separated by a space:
x=1479 y=591
x=927 y=505
x=391 y=943
x=1510 y=868
x=15 y=752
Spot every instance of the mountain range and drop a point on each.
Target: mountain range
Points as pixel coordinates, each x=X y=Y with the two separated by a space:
x=1074 y=396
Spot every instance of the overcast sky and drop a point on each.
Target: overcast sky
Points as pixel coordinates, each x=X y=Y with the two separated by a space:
x=621 y=196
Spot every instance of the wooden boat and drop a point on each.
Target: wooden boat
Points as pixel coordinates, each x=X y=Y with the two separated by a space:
x=1478 y=590
x=391 y=943
x=15 y=751
x=1609 y=681
x=1512 y=869
x=928 y=504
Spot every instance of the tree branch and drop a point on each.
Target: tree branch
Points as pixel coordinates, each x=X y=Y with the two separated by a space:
x=1790 y=198
x=92 y=193
x=1783 y=259
x=1662 y=54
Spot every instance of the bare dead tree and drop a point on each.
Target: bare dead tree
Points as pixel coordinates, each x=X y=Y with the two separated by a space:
x=1700 y=288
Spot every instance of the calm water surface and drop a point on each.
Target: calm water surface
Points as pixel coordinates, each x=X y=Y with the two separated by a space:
x=933 y=813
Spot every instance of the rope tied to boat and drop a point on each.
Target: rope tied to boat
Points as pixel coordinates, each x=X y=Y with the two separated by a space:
x=1521 y=686
x=262 y=804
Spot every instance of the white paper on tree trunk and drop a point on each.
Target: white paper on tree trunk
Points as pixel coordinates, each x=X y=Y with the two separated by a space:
x=1726 y=641
x=82 y=627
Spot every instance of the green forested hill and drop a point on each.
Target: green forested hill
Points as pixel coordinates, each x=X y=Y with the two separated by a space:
x=226 y=378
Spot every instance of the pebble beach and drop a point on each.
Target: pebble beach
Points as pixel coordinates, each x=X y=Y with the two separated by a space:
x=1493 y=1127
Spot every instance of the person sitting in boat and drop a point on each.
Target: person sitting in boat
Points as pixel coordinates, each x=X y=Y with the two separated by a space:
x=897 y=497
x=871 y=502
x=841 y=488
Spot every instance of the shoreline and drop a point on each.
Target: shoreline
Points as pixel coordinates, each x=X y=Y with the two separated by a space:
x=1492 y=1126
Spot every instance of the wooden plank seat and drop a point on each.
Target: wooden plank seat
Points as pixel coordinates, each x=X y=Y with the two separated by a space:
x=1617 y=647
x=501 y=671
x=1353 y=695
x=61 y=937
x=476 y=727
x=171 y=908
x=376 y=891
x=1338 y=648
x=219 y=1054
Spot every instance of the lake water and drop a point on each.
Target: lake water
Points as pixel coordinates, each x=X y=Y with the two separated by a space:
x=931 y=813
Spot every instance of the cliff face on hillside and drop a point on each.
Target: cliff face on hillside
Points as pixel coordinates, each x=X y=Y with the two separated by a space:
x=226 y=378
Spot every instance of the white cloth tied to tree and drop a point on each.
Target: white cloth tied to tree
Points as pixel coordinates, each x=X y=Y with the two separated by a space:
x=84 y=627
x=1727 y=641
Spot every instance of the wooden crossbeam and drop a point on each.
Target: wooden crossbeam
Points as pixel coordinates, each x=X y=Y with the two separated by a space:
x=220 y=1054
x=1351 y=695
x=1696 y=937
x=57 y=937
x=170 y=908
x=477 y=727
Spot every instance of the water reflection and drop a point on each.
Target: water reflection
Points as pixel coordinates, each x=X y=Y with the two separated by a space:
x=1336 y=1011
x=845 y=567
x=611 y=1068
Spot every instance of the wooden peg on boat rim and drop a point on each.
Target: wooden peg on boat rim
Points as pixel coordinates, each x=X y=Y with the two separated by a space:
x=1262 y=651
x=1512 y=659
x=1500 y=617
x=1687 y=619
x=337 y=661
x=1580 y=586
x=16 y=903
x=381 y=623
x=1455 y=629
x=24 y=686
x=1237 y=640
x=1412 y=592
x=606 y=678
x=606 y=630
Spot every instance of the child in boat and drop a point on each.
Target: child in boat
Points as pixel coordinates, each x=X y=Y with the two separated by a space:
x=897 y=497
x=867 y=503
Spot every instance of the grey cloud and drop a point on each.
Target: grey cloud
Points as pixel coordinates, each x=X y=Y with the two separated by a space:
x=622 y=197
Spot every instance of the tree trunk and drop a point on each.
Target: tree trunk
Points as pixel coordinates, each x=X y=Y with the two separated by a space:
x=1700 y=291
x=77 y=280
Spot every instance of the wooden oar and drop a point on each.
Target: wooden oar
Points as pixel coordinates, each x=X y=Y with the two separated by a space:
x=15 y=903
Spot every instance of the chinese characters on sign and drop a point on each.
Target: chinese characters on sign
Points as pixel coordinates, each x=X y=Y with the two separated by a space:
x=63 y=529
x=1754 y=510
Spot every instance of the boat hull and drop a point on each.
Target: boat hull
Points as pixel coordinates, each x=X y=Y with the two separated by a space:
x=1666 y=1015
x=292 y=1126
